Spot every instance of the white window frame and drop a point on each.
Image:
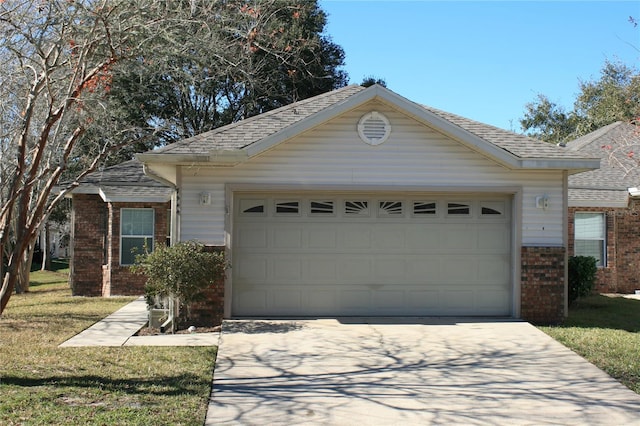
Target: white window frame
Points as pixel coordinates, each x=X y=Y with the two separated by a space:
x=146 y=237
x=601 y=263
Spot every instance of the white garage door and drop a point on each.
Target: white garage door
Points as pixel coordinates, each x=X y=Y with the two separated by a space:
x=371 y=254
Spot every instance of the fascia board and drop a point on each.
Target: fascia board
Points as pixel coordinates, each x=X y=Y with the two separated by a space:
x=577 y=165
x=597 y=203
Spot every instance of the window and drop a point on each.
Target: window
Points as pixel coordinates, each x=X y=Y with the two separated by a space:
x=590 y=236
x=460 y=209
x=287 y=207
x=321 y=207
x=424 y=208
x=136 y=233
x=356 y=208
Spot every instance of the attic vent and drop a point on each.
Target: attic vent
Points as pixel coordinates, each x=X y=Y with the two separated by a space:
x=374 y=128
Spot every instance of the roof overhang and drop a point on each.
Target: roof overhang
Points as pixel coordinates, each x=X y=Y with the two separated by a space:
x=132 y=194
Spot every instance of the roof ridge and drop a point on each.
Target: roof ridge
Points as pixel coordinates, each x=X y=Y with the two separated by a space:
x=584 y=140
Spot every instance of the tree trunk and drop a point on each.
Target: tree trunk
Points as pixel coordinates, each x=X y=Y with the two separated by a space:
x=24 y=271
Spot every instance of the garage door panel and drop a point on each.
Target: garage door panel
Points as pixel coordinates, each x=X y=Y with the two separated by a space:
x=388 y=301
x=423 y=302
x=284 y=298
x=388 y=270
x=337 y=262
x=355 y=237
x=424 y=238
x=389 y=238
x=494 y=237
x=321 y=271
x=252 y=236
x=354 y=302
x=423 y=269
x=287 y=270
x=288 y=238
x=251 y=268
x=322 y=238
x=356 y=270
x=321 y=301
x=491 y=268
x=461 y=270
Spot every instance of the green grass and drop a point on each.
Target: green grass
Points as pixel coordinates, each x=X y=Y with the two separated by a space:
x=41 y=383
x=605 y=331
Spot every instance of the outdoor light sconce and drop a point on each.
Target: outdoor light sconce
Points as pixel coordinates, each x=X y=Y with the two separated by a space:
x=542 y=202
x=205 y=198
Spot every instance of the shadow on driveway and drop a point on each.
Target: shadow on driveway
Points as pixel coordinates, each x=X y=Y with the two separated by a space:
x=401 y=371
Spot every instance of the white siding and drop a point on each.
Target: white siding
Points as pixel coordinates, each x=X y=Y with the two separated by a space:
x=332 y=155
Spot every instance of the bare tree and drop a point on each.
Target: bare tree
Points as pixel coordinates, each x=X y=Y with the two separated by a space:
x=57 y=59
x=64 y=60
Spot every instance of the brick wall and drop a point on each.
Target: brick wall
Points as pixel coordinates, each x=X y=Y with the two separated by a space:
x=118 y=280
x=542 y=297
x=88 y=227
x=620 y=274
x=95 y=256
x=209 y=312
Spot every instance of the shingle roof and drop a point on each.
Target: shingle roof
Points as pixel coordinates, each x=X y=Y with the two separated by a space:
x=246 y=132
x=619 y=169
x=125 y=182
x=127 y=173
x=517 y=144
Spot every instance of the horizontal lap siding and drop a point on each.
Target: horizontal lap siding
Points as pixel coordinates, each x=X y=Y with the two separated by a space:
x=332 y=154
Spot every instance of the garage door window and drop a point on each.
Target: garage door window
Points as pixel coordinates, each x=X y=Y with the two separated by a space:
x=136 y=233
x=288 y=207
x=356 y=208
x=323 y=208
x=252 y=207
x=590 y=236
x=492 y=208
x=424 y=208
x=390 y=208
x=459 y=209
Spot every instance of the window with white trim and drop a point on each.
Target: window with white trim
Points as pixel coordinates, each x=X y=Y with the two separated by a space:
x=590 y=236
x=136 y=233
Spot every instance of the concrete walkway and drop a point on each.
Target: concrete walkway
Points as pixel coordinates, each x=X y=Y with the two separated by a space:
x=429 y=371
x=118 y=329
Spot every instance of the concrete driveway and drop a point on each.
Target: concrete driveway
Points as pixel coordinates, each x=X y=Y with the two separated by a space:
x=412 y=371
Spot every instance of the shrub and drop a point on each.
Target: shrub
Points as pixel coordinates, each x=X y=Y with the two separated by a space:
x=582 y=276
x=180 y=272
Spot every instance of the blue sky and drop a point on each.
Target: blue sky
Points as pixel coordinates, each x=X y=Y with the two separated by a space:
x=483 y=59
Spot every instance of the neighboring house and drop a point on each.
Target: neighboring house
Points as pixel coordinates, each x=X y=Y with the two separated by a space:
x=361 y=202
x=114 y=211
x=604 y=206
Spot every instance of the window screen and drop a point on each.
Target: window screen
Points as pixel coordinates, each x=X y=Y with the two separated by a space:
x=590 y=236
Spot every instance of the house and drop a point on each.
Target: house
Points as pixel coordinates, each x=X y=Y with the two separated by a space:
x=361 y=202
x=115 y=210
x=604 y=206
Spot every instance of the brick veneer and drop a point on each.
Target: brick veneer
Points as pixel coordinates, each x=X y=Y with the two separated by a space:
x=620 y=274
x=95 y=257
x=210 y=311
x=542 y=298
x=88 y=232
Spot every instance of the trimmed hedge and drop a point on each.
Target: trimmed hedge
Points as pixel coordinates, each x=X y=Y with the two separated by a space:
x=582 y=276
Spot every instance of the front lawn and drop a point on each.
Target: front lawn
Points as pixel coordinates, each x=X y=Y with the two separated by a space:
x=605 y=331
x=41 y=383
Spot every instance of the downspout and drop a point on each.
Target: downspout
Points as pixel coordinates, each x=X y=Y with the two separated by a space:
x=174 y=201
x=565 y=227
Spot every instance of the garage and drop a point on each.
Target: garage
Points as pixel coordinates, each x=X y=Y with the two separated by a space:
x=374 y=254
